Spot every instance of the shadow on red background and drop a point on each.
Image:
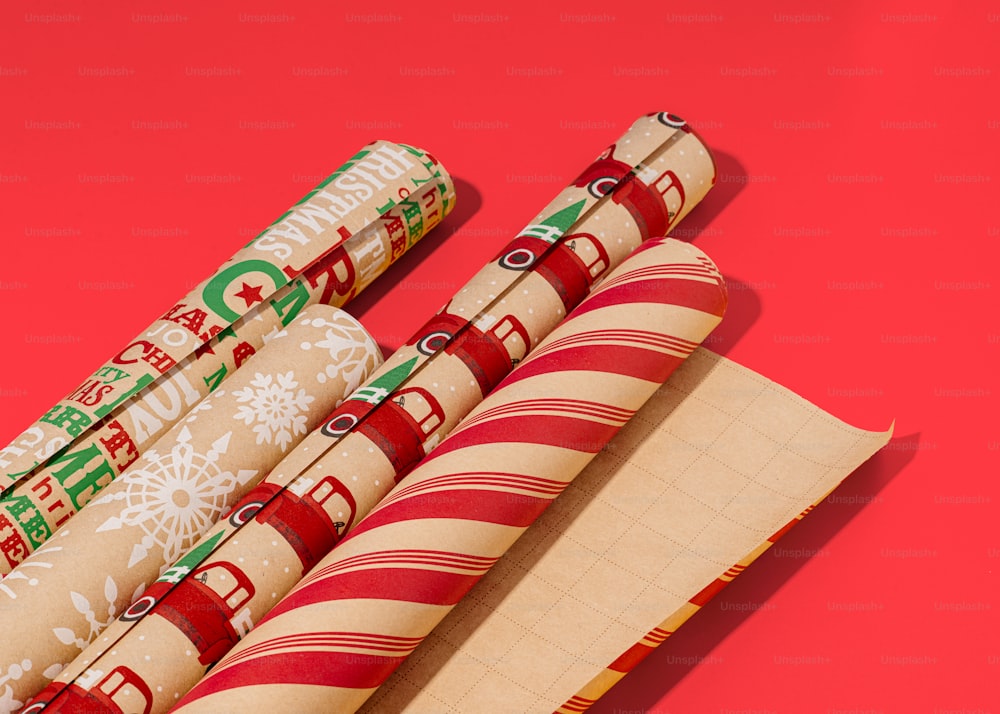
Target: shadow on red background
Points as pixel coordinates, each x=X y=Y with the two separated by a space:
x=468 y=201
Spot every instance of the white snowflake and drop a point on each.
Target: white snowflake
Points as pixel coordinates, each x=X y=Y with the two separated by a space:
x=15 y=671
x=175 y=497
x=352 y=352
x=203 y=406
x=8 y=703
x=95 y=626
x=275 y=410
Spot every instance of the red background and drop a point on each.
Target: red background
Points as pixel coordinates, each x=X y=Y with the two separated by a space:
x=142 y=143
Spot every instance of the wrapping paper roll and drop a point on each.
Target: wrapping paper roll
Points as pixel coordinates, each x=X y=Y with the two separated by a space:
x=707 y=475
x=43 y=500
x=369 y=184
x=311 y=500
x=60 y=599
x=353 y=619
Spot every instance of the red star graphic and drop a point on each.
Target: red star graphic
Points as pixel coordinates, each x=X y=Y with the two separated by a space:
x=250 y=294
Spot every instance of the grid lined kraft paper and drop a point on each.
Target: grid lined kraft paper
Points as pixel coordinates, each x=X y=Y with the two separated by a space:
x=708 y=474
x=343 y=629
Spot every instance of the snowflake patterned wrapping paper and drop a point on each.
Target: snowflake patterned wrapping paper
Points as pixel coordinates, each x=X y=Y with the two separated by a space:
x=716 y=466
x=59 y=599
x=381 y=175
x=307 y=503
x=353 y=619
x=43 y=500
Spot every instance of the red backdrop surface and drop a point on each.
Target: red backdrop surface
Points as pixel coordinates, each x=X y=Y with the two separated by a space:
x=855 y=217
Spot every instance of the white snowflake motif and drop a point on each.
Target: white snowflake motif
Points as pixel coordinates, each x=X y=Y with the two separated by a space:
x=276 y=410
x=95 y=625
x=352 y=352
x=203 y=406
x=13 y=672
x=175 y=497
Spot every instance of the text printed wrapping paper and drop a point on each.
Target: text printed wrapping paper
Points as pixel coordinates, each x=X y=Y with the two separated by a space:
x=43 y=500
x=353 y=619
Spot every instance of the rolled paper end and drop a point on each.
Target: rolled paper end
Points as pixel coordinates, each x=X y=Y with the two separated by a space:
x=437 y=173
x=674 y=120
x=660 y=169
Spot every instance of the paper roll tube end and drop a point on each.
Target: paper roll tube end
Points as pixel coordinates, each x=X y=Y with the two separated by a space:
x=677 y=122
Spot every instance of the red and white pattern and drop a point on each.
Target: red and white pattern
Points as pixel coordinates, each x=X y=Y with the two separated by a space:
x=465 y=504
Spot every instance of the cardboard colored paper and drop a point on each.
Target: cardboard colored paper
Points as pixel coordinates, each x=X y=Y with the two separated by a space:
x=42 y=501
x=319 y=491
x=63 y=596
x=716 y=466
x=342 y=630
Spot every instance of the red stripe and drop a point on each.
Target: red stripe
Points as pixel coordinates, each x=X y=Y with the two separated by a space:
x=631 y=657
x=525 y=482
x=330 y=669
x=708 y=592
x=784 y=529
x=594 y=410
x=707 y=297
x=658 y=271
x=566 y=432
x=585 y=411
x=432 y=587
x=414 y=554
x=541 y=404
x=320 y=640
x=634 y=336
x=599 y=342
x=501 y=507
x=636 y=362
x=392 y=559
x=395 y=557
x=474 y=483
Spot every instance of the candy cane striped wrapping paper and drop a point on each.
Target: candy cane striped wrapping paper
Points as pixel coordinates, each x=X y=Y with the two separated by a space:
x=715 y=467
x=352 y=197
x=46 y=498
x=59 y=599
x=214 y=595
x=343 y=629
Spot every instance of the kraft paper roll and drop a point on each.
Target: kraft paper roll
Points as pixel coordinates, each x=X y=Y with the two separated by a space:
x=45 y=499
x=715 y=467
x=61 y=598
x=307 y=503
x=351 y=621
x=370 y=183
